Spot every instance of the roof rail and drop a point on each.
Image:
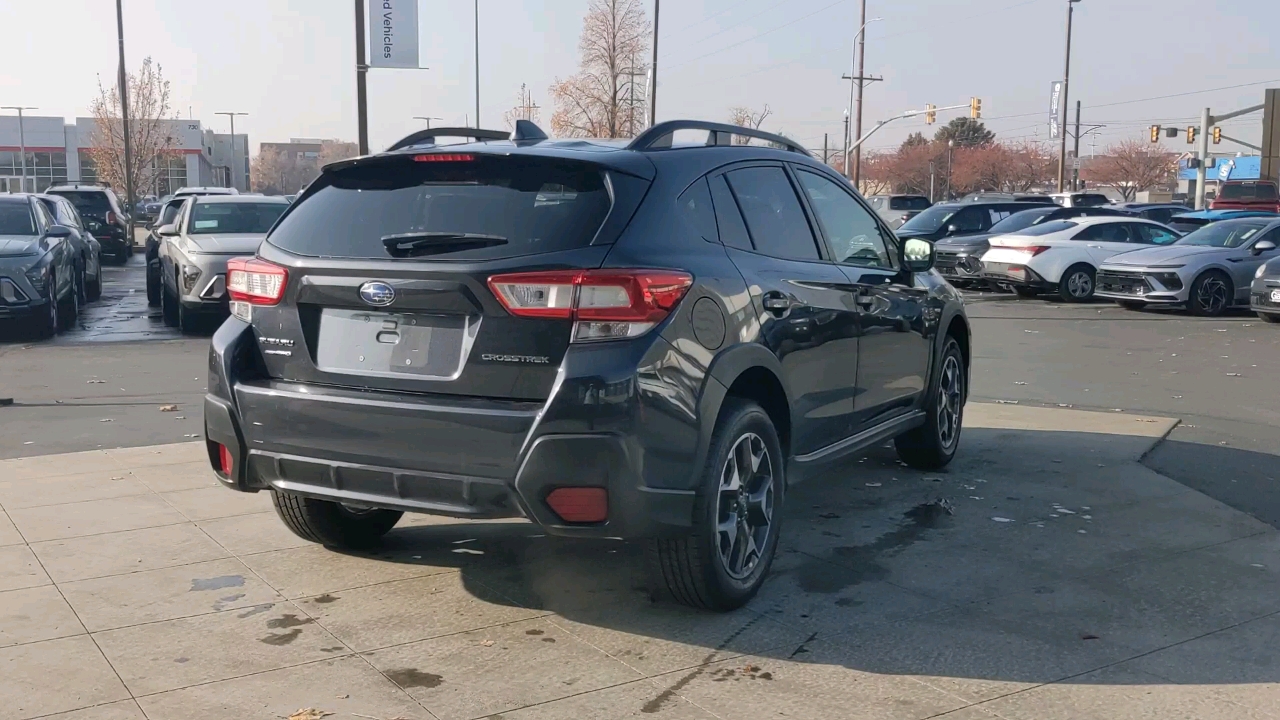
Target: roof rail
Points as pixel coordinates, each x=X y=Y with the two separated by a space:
x=718 y=134
x=428 y=137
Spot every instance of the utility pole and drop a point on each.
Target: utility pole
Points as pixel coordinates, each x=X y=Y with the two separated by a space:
x=931 y=177
x=826 y=159
x=847 y=142
x=234 y=166
x=1075 y=154
x=653 y=71
x=124 y=120
x=428 y=119
x=951 y=144
x=856 y=83
x=477 y=6
x=527 y=105
x=362 y=74
x=22 y=140
x=1066 y=87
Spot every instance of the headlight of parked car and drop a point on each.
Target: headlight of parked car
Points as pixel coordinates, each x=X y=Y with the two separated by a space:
x=1262 y=270
x=1170 y=280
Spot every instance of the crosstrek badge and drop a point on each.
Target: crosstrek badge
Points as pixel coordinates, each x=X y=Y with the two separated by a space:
x=529 y=359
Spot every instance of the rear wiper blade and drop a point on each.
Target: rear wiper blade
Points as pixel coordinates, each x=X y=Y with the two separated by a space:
x=435 y=243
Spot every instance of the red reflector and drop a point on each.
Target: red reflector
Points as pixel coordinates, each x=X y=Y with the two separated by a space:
x=445 y=157
x=580 y=504
x=255 y=281
x=224 y=459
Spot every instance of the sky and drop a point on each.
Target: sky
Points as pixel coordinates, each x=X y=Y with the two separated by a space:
x=290 y=63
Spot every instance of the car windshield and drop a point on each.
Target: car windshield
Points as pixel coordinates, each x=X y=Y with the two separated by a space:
x=910 y=202
x=1020 y=220
x=240 y=217
x=1048 y=228
x=90 y=203
x=929 y=220
x=15 y=219
x=483 y=208
x=1248 y=191
x=1224 y=234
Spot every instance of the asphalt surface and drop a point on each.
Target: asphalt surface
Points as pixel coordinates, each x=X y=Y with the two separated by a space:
x=104 y=383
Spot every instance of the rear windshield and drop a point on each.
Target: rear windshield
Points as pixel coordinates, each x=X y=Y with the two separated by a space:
x=15 y=219
x=1248 y=191
x=1228 y=234
x=93 y=203
x=234 y=217
x=1020 y=220
x=909 y=203
x=1048 y=228
x=480 y=209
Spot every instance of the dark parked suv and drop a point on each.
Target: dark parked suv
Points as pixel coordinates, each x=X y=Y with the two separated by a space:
x=644 y=339
x=103 y=216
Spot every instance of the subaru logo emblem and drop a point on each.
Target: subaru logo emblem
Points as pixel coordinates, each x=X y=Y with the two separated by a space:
x=377 y=293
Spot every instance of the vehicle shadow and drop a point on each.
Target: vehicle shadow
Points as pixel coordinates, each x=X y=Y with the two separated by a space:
x=1037 y=557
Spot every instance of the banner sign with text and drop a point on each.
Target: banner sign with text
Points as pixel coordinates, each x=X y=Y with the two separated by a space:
x=1055 y=108
x=393 y=33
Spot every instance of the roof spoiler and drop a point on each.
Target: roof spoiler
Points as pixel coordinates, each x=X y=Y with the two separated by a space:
x=718 y=134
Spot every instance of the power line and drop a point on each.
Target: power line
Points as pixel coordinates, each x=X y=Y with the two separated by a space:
x=759 y=35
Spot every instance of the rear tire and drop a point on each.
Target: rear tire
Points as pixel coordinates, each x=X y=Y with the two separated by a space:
x=332 y=524
x=708 y=569
x=168 y=306
x=188 y=320
x=1211 y=294
x=93 y=288
x=69 y=308
x=1270 y=317
x=154 y=286
x=1131 y=304
x=1077 y=283
x=45 y=324
x=932 y=445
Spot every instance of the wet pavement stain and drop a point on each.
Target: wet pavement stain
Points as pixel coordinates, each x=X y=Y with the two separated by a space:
x=549 y=640
x=336 y=648
x=279 y=639
x=862 y=562
x=288 y=621
x=325 y=599
x=533 y=632
x=847 y=602
x=255 y=610
x=181 y=660
x=414 y=678
x=216 y=583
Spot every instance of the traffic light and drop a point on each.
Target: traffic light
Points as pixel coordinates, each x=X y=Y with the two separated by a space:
x=1155 y=133
x=930 y=114
x=1217 y=135
x=975 y=108
x=1191 y=134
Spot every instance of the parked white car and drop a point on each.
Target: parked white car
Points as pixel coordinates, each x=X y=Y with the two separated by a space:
x=1063 y=256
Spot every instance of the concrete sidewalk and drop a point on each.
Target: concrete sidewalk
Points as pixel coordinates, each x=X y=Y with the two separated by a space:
x=1070 y=582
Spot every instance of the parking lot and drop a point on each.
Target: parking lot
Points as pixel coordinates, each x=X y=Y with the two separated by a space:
x=1103 y=547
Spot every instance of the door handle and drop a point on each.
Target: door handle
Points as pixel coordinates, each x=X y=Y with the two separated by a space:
x=776 y=303
x=1099 y=247
x=865 y=299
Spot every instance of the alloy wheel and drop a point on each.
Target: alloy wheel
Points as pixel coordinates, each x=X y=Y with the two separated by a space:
x=1212 y=295
x=950 y=401
x=1080 y=285
x=744 y=513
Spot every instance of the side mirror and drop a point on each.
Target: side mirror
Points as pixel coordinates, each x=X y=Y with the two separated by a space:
x=1262 y=246
x=953 y=229
x=58 y=231
x=169 y=230
x=917 y=255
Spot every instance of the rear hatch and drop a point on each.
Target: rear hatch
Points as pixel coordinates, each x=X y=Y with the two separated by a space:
x=92 y=204
x=389 y=261
x=1247 y=195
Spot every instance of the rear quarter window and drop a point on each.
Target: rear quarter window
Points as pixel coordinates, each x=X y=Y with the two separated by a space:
x=523 y=206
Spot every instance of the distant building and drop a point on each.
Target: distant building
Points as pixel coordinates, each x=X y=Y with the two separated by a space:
x=1245 y=167
x=57 y=152
x=296 y=148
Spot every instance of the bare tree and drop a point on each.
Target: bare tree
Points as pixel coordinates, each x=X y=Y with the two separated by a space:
x=1131 y=166
x=604 y=99
x=747 y=118
x=279 y=173
x=150 y=127
x=525 y=109
x=1031 y=166
x=335 y=150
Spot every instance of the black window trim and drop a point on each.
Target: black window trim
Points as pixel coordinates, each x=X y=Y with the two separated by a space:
x=824 y=255
x=890 y=239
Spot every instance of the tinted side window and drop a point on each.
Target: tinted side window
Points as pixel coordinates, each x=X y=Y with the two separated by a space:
x=971 y=220
x=1105 y=232
x=170 y=212
x=1160 y=215
x=67 y=215
x=1156 y=235
x=43 y=217
x=852 y=233
x=696 y=209
x=773 y=213
x=733 y=232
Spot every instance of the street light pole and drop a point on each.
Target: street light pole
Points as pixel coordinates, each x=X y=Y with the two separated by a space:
x=653 y=71
x=1066 y=88
x=124 y=119
x=22 y=140
x=862 y=67
x=233 y=115
x=477 y=7
x=951 y=144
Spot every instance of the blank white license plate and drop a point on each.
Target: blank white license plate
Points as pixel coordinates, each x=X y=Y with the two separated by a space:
x=1275 y=296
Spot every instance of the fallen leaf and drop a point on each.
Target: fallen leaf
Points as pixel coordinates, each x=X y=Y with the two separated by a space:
x=1019 y=383
x=874 y=484
x=309 y=714
x=168 y=408
x=105 y=420
x=1002 y=519
x=487 y=643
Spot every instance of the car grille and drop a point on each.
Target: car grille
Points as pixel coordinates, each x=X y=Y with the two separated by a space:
x=952 y=264
x=1263 y=299
x=1122 y=283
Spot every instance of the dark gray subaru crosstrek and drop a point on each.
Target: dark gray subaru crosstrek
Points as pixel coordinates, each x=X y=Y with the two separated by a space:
x=646 y=339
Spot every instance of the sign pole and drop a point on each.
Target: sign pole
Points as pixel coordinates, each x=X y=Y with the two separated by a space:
x=362 y=72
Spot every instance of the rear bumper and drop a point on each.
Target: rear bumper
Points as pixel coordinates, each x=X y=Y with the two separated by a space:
x=458 y=457
x=1007 y=274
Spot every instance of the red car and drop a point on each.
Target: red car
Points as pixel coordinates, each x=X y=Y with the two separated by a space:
x=1247 y=195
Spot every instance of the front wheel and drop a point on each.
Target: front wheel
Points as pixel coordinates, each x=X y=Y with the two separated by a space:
x=932 y=445
x=1077 y=283
x=1211 y=294
x=1270 y=317
x=723 y=563
x=333 y=524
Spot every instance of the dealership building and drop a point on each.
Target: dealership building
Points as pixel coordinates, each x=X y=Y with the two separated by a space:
x=57 y=151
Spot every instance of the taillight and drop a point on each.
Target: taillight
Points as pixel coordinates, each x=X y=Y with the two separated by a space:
x=255 y=281
x=445 y=157
x=224 y=459
x=1035 y=250
x=604 y=304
